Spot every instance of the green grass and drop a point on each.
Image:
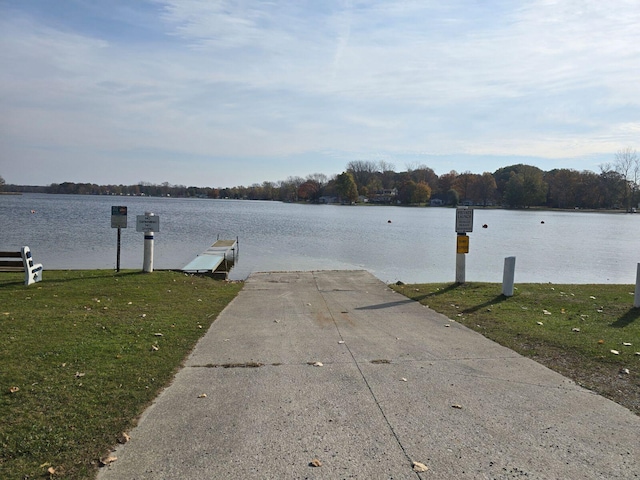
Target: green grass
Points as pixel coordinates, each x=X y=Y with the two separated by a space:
x=88 y=351
x=575 y=337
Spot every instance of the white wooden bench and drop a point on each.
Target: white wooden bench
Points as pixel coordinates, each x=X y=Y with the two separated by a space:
x=21 y=262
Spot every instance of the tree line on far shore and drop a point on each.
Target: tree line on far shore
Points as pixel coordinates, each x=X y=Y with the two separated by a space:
x=616 y=186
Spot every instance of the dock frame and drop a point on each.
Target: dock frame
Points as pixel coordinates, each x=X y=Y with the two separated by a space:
x=216 y=260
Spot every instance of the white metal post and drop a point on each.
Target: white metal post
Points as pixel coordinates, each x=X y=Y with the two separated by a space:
x=147 y=265
x=508 y=276
x=460 y=267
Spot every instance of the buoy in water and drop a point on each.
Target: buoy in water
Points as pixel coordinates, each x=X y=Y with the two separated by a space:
x=33 y=211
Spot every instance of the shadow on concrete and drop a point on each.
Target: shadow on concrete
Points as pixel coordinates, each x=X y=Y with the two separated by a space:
x=386 y=305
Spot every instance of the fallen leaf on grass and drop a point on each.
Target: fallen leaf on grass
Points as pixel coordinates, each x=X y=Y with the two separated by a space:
x=107 y=460
x=600 y=342
x=80 y=374
x=540 y=323
x=626 y=344
x=575 y=329
x=14 y=389
x=315 y=463
x=158 y=334
x=546 y=312
x=51 y=471
x=419 y=467
x=615 y=352
x=625 y=371
x=154 y=348
x=124 y=438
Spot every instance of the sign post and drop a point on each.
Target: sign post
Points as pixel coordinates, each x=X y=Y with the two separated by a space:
x=119 y=221
x=148 y=223
x=464 y=224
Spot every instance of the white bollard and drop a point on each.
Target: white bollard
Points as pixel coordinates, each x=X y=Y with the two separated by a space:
x=460 y=267
x=508 y=276
x=636 y=297
x=147 y=265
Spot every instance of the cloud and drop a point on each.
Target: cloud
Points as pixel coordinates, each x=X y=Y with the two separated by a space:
x=194 y=79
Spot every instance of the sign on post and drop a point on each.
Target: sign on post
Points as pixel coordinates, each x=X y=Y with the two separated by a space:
x=119 y=221
x=464 y=220
x=464 y=224
x=462 y=244
x=147 y=223
x=118 y=217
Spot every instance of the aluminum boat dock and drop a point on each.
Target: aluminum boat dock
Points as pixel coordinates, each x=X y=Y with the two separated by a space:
x=217 y=259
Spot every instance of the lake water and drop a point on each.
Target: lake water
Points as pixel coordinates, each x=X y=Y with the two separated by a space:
x=393 y=243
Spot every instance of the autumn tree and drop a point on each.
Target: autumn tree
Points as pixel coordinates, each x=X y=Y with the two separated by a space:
x=627 y=164
x=362 y=171
x=423 y=174
x=289 y=189
x=412 y=193
x=446 y=184
x=453 y=197
x=525 y=187
x=483 y=189
x=463 y=184
x=563 y=188
x=346 y=188
x=612 y=187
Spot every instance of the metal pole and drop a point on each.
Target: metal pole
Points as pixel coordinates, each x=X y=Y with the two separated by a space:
x=118 y=251
x=460 y=267
x=636 y=297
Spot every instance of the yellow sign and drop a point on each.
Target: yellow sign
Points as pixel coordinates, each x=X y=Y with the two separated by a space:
x=463 y=244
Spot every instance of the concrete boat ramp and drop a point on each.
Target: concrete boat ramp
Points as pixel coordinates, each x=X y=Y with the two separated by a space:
x=335 y=369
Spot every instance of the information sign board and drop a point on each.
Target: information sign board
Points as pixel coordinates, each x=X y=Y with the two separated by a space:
x=118 y=217
x=462 y=244
x=147 y=223
x=464 y=220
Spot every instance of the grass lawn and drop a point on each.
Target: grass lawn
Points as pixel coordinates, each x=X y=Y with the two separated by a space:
x=572 y=329
x=82 y=353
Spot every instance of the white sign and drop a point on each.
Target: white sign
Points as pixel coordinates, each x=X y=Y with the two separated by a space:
x=464 y=220
x=147 y=223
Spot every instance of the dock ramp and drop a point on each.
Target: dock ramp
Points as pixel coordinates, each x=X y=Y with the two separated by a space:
x=215 y=259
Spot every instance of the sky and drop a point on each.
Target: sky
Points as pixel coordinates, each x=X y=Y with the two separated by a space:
x=226 y=93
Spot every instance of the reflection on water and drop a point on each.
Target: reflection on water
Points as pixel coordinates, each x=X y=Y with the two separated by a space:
x=394 y=243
